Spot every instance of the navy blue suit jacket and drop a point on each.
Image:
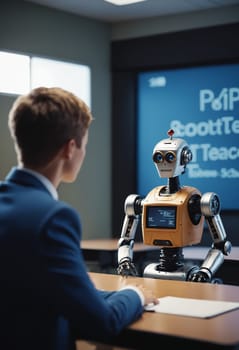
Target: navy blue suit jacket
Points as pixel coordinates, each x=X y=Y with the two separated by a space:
x=46 y=296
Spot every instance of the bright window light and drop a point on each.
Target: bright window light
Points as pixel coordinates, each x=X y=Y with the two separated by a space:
x=21 y=73
x=123 y=2
x=14 y=73
x=51 y=73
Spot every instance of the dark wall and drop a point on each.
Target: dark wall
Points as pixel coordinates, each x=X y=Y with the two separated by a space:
x=128 y=57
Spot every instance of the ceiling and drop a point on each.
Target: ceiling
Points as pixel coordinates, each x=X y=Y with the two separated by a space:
x=105 y=11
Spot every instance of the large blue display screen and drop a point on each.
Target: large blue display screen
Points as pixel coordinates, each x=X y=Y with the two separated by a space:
x=201 y=104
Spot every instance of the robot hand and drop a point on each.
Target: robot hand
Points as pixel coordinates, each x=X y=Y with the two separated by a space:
x=127 y=268
x=203 y=275
x=200 y=276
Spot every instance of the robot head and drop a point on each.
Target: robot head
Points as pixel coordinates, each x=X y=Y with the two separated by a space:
x=171 y=156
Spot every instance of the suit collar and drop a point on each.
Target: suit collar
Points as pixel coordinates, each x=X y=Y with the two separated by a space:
x=25 y=178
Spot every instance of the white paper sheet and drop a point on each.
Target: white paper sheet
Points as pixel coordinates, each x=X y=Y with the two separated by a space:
x=192 y=307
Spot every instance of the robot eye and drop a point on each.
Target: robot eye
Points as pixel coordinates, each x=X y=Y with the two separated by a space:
x=158 y=157
x=170 y=157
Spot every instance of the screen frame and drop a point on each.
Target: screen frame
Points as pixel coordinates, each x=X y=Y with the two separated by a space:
x=188 y=48
x=152 y=209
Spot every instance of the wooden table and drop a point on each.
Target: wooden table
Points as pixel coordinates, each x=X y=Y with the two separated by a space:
x=104 y=252
x=155 y=330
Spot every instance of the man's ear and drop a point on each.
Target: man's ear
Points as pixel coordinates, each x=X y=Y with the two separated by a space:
x=68 y=148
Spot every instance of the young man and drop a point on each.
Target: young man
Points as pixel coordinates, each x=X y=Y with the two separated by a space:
x=47 y=299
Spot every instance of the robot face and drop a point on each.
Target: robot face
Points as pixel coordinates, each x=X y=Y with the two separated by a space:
x=171 y=157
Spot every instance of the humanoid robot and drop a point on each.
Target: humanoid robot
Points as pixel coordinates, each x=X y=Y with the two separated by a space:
x=173 y=217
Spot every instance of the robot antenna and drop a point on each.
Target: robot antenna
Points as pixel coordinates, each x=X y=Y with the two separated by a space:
x=170 y=133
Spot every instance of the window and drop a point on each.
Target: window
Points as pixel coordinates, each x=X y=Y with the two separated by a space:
x=72 y=77
x=14 y=73
x=20 y=73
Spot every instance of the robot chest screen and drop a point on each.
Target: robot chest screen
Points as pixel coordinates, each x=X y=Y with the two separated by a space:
x=161 y=216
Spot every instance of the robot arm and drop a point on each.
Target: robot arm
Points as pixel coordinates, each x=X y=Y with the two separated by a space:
x=133 y=211
x=210 y=207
